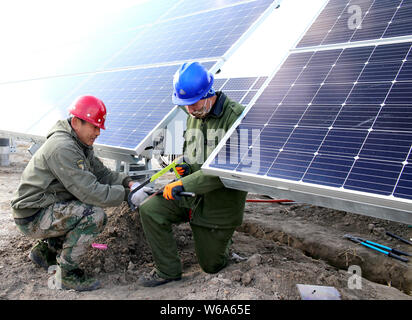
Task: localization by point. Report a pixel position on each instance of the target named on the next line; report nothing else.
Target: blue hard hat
(191, 83)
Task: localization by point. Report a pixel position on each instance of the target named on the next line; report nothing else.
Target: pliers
(393, 253)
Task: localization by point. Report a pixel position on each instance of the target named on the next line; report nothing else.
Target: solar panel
(154, 32)
(188, 7)
(131, 68)
(25, 103)
(197, 36)
(241, 89)
(357, 20)
(332, 126)
(352, 118)
(87, 52)
(136, 100)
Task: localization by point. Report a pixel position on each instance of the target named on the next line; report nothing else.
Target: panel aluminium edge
(353, 201)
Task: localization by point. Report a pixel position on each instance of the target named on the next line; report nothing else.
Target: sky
(26, 23)
(29, 26)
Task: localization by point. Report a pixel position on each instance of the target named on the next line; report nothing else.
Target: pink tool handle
(100, 246)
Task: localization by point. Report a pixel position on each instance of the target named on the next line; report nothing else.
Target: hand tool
(393, 253)
(100, 246)
(166, 169)
(182, 194)
(398, 237)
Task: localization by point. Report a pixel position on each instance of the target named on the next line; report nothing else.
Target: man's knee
(150, 212)
(213, 266)
(212, 247)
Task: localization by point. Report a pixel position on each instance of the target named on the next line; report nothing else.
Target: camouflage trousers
(76, 223)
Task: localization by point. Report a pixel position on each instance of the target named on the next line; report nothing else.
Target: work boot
(41, 255)
(55, 244)
(75, 280)
(153, 279)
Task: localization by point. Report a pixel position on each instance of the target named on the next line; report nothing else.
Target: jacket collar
(73, 133)
(217, 109)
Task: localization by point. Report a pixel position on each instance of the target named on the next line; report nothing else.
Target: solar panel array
(334, 118)
(201, 35)
(326, 116)
(137, 99)
(357, 20)
(131, 66)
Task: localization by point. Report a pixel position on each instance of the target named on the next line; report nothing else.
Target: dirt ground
(277, 247)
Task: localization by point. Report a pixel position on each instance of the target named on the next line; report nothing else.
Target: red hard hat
(90, 109)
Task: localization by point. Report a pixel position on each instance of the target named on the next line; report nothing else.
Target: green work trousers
(77, 222)
(211, 244)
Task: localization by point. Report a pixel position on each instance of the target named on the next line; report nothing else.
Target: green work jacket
(64, 169)
(215, 206)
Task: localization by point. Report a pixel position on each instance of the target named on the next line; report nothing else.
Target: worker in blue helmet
(216, 211)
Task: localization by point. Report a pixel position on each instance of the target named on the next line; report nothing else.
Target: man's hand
(140, 195)
(172, 190)
(183, 169)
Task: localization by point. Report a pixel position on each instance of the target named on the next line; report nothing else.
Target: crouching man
(62, 192)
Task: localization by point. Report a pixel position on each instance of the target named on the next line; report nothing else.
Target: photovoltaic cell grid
(153, 32)
(139, 96)
(86, 53)
(25, 103)
(203, 35)
(357, 20)
(83, 56)
(187, 7)
(137, 100)
(241, 89)
(338, 118)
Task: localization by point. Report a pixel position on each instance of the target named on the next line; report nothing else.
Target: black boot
(154, 280)
(55, 244)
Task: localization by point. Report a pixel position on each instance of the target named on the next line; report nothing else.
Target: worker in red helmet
(63, 191)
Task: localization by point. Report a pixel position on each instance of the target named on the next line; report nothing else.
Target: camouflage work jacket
(64, 169)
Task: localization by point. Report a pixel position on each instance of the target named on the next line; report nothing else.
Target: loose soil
(277, 247)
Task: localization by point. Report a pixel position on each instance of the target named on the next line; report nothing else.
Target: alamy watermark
(355, 20)
(242, 148)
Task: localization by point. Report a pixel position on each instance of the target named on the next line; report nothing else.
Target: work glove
(182, 169)
(140, 195)
(172, 190)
